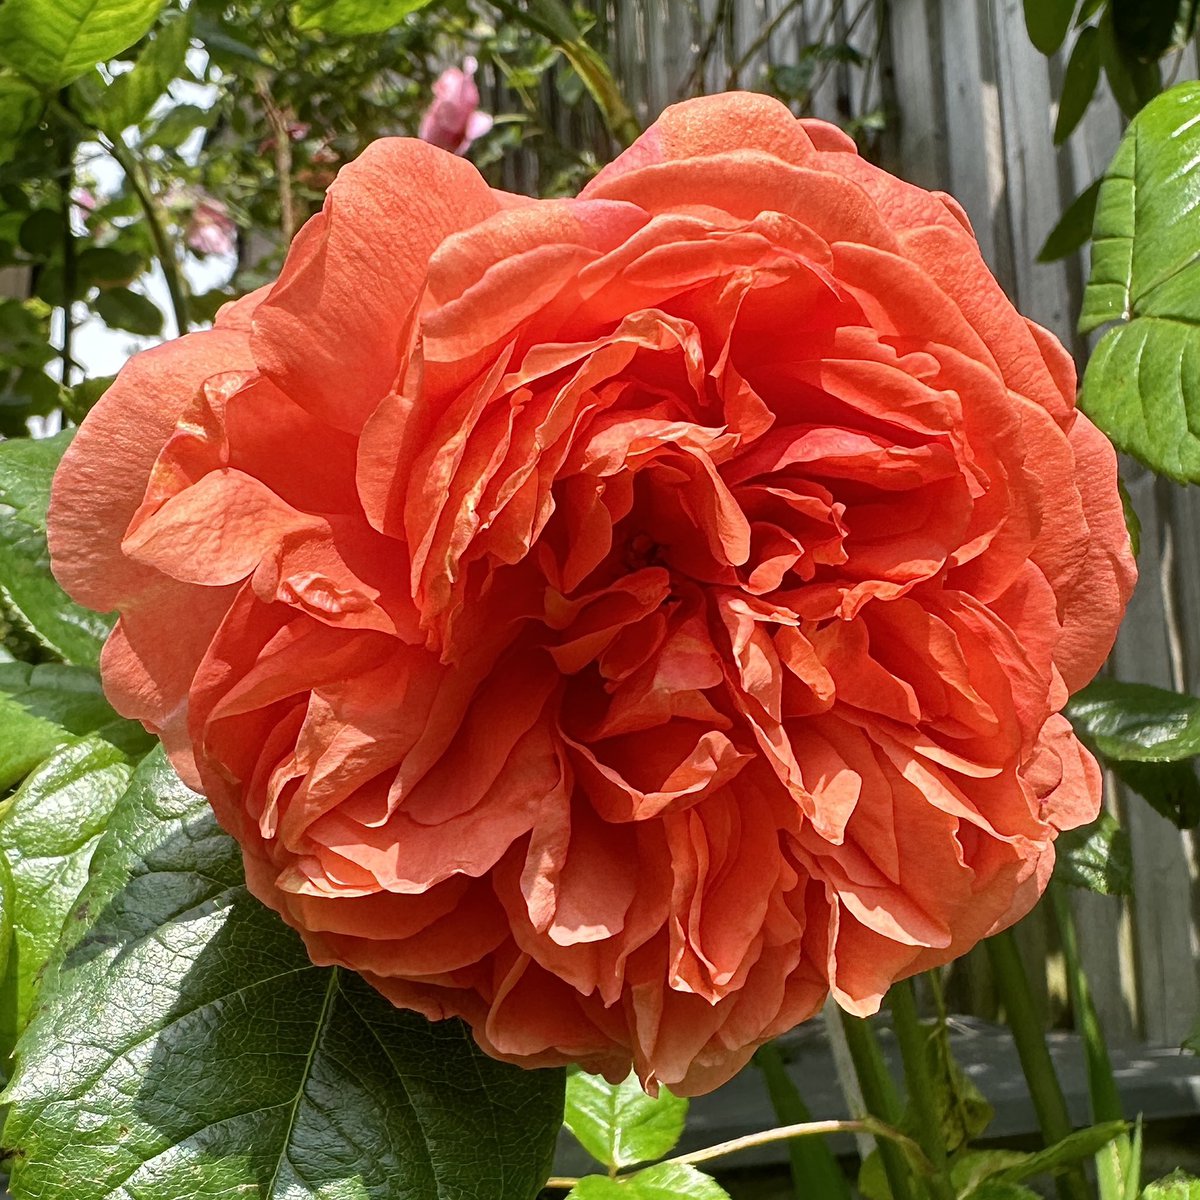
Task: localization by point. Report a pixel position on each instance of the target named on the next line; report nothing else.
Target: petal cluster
(618, 621)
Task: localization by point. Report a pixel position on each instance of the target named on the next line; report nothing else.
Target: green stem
(815, 1171)
(162, 244)
(881, 1099)
(1102, 1084)
(1030, 1039)
(69, 265)
(914, 1040)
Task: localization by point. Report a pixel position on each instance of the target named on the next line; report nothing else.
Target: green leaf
(105, 266)
(1172, 788)
(1097, 858)
(1142, 385)
(1134, 82)
(1136, 722)
(1048, 22)
(26, 585)
(131, 96)
(48, 833)
(348, 18)
(618, 1124)
(1074, 226)
(41, 233)
(1075, 1147)
(20, 105)
(184, 1045)
(1133, 523)
(991, 1190)
(57, 41)
(122, 308)
(178, 123)
(1177, 1186)
(1079, 83)
(43, 707)
(1145, 27)
(663, 1182)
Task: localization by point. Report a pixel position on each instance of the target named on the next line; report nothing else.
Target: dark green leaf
(1088, 9)
(56, 41)
(42, 707)
(83, 396)
(123, 308)
(664, 1182)
(1172, 788)
(130, 96)
(1074, 227)
(1079, 85)
(26, 585)
(1136, 722)
(104, 266)
(41, 232)
(1134, 82)
(48, 833)
(1048, 22)
(186, 1046)
(1177, 1186)
(350, 17)
(618, 1124)
(20, 104)
(1145, 27)
(1096, 858)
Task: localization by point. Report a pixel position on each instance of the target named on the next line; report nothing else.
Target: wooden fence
(966, 104)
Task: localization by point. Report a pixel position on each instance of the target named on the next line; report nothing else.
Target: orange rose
(617, 621)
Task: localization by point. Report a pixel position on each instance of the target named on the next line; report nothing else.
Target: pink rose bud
(211, 229)
(453, 121)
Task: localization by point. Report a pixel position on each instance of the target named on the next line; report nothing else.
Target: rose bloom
(620, 621)
(453, 121)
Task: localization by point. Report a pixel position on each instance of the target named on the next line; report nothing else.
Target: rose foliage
(617, 621)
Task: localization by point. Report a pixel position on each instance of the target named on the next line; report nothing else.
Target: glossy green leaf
(27, 588)
(131, 96)
(43, 707)
(618, 1124)
(1177, 1186)
(348, 18)
(57, 41)
(1142, 385)
(1097, 858)
(1136, 722)
(1079, 83)
(184, 1045)
(123, 308)
(48, 832)
(664, 1182)
(1048, 22)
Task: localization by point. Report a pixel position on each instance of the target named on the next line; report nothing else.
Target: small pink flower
(211, 229)
(453, 121)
